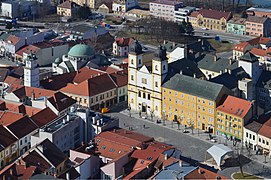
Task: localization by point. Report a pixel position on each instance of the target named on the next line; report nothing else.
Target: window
(132, 61)
(139, 61)
(253, 137)
(132, 77)
(156, 84)
(156, 68)
(260, 140)
(111, 150)
(164, 67)
(139, 94)
(144, 95)
(249, 136)
(144, 80)
(149, 97)
(263, 141)
(267, 143)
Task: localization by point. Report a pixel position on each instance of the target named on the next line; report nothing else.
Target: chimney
(173, 44)
(194, 75)
(33, 95)
(215, 58)
(165, 156)
(221, 72)
(181, 72)
(230, 60)
(164, 41)
(68, 175)
(180, 163)
(229, 71)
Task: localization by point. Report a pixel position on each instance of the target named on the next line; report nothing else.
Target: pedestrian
(144, 126)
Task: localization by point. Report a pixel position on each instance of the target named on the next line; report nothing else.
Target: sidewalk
(203, 136)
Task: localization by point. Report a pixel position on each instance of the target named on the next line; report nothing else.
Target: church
(79, 56)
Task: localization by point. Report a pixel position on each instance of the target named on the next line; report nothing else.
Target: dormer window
(156, 68)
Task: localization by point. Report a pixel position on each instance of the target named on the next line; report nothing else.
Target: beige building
(210, 19)
(67, 8)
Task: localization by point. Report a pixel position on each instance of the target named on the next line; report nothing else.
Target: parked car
(205, 34)
(204, 28)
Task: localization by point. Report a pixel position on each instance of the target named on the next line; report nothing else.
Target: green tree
(84, 12)
(9, 26)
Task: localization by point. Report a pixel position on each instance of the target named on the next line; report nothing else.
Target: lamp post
(129, 109)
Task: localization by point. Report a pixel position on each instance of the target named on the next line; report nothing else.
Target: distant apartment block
(258, 26)
(181, 14)
(237, 26)
(122, 6)
(164, 9)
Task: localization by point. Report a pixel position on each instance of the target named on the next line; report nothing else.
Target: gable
(144, 69)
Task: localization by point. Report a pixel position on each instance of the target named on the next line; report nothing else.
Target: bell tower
(31, 71)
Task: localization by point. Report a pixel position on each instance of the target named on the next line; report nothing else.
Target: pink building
(258, 26)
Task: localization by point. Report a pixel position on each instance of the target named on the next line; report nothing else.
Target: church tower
(159, 73)
(134, 63)
(31, 71)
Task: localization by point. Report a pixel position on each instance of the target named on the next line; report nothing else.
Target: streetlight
(129, 109)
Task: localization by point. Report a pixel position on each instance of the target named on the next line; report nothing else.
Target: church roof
(81, 50)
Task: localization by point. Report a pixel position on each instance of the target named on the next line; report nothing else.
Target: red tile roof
(12, 80)
(120, 78)
(214, 14)
(235, 106)
(265, 130)
(124, 41)
(29, 91)
(7, 117)
(44, 117)
(194, 14)
(68, 5)
(202, 173)
(125, 137)
(19, 108)
(241, 46)
(261, 52)
(86, 73)
(27, 49)
(91, 87)
(13, 39)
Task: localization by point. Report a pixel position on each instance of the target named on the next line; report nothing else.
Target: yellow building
(67, 8)
(192, 101)
(210, 19)
(8, 147)
(232, 115)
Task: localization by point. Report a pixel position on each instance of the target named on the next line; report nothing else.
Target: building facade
(122, 6)
(31, 71)
(182, 14)
(232, 116)
(164, 9)
(258, 26)
(210, 19)
(67, 8)
(237, 26)
(144, 83)
(192, 101)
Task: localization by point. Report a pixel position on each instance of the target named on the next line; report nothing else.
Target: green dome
(81, 50)
(58, 60)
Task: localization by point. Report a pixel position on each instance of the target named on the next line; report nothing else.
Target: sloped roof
(13, 39)
(61, 101)
(218, 152)
(91, 87)
(237, 20)
(202, 173)
(256, 19)
(28, 49)
(6, 138)
(35, 159)
(120, 78)
(249, 57)
(235, 106)
(28, 91)
(241, 46)
(68, 5)
(22, 127)
(86, 73)
(264, 80)
(124, 41)
(214, 14)
(193, 86)
(44, 117)
(254, 126)
(208, 63)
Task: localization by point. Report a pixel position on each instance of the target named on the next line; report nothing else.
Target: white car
(204, 28)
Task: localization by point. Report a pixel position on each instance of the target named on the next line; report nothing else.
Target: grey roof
(193, 86)
(256, 19)
(186, 67)
(230, 80)
(264, 80)
(259, 9)
(208, 63)
(249, 57)
(254, 126)
(43, 176)
(175, 171)
(218, 152)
